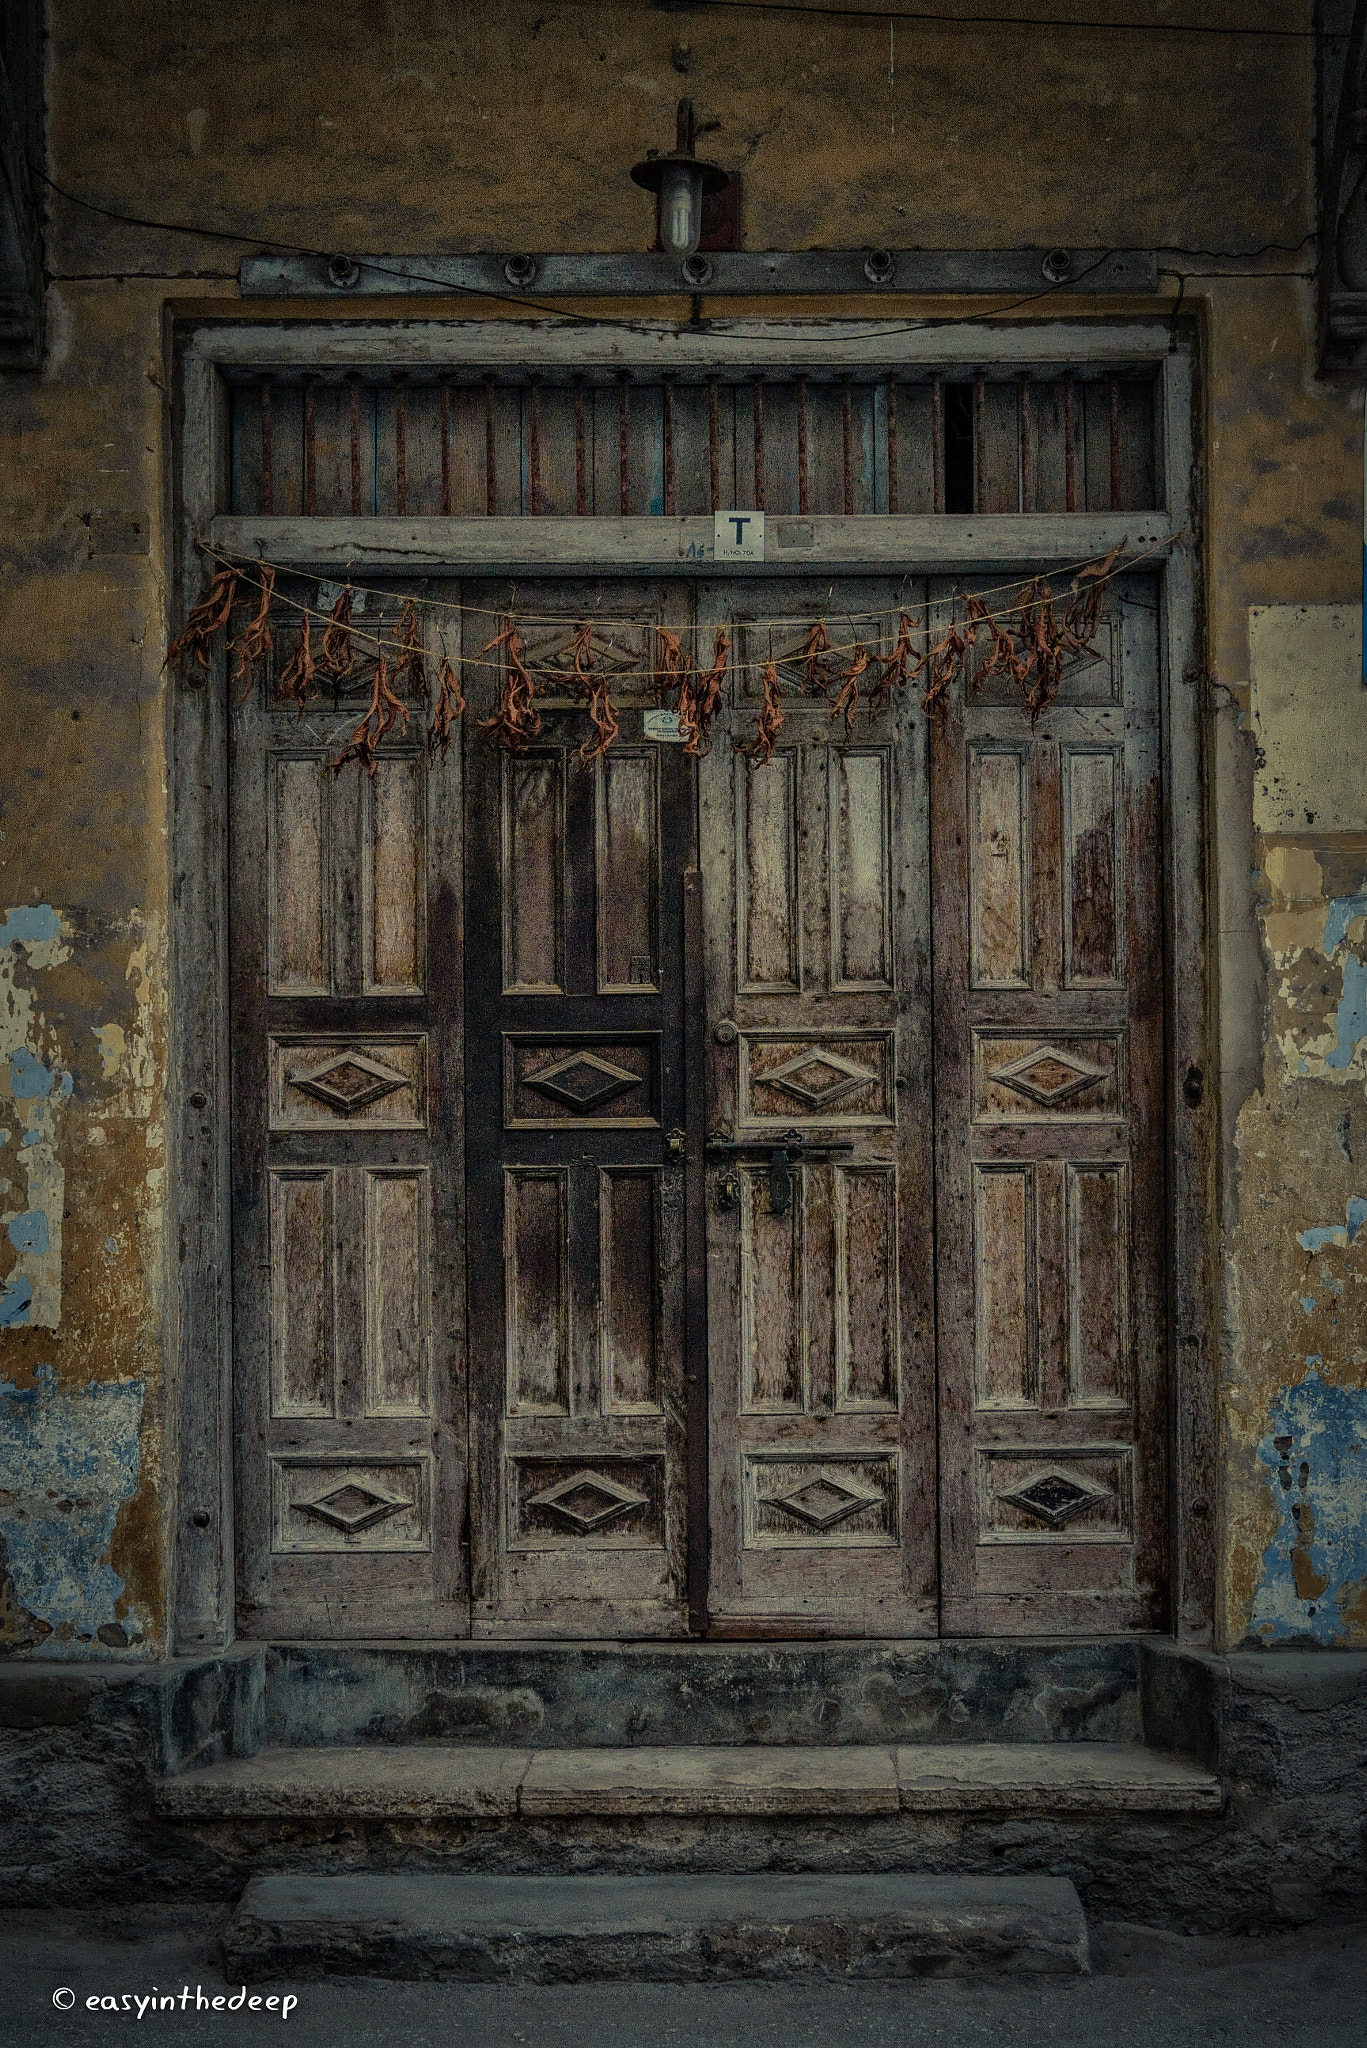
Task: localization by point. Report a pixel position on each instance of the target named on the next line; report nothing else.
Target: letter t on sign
(739, 537)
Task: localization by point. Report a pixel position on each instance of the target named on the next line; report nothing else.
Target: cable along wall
(608, 444)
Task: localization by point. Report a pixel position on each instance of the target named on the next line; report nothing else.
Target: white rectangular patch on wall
(738, 536)
(662, 725)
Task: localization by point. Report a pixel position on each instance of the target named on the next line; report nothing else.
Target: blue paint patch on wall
(28, 1233)
(70, 1461)
(28, 1077)
(1341, 913)
(14, 1303)
(1351, 1020)
(1320, 1547)
(31, 924)
(1342, 1234)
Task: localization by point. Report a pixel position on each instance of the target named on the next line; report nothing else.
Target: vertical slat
(490, 460)
(534, 443)
(400, 446)
(445, 449)
(267, 451)
(713, 451)
(890, 400)
(1028, 460)
(1114, 441)
(354, 423)
(581, 502)
(310, 450)
(1069, 446)
(937, 444)
(757, 406)
(846, 452)
(804, 495)
(670, 501)
(624, 443)
(979, 443)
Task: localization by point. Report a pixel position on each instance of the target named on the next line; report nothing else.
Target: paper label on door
(662, 725)
(738, 536)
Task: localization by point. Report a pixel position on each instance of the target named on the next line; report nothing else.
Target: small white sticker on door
(739, 537)
(662, 725)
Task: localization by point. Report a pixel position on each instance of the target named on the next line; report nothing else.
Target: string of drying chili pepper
(1082, 567)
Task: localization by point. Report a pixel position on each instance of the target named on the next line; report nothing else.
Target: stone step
(540, 1930)
(427, 1782)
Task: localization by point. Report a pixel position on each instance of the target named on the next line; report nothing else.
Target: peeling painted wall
(461, 126)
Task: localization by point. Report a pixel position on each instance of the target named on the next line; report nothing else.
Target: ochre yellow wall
(446, 126)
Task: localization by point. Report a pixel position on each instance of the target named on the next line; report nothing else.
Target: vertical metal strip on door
(347, 1125)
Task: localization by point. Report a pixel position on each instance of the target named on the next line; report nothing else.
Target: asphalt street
(1303, 1989)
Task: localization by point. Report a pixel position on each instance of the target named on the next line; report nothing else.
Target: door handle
(789, 1150)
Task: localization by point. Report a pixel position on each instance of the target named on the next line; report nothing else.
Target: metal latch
(790, 1150)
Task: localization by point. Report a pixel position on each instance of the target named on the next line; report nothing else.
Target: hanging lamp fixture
(681, 181)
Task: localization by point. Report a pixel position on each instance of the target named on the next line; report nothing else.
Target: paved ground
(1306, 1989)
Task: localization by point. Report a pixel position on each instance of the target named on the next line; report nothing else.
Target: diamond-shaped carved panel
(320, 1083)
(1054, 1496)
(602, 1083)
(796, 1503)
(582, 1082)
(841, 1078)
(349, 1082)
(818, 1078)
(342, 1507)
(560, 1504)
(588, 1500)
(1049, 1074)
(353, 1506)
(826, 1499)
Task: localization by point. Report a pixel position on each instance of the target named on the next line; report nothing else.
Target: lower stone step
(559, 1930)
(428, 1782)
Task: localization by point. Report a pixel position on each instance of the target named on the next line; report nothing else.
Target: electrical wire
(647, 327)
(1125, 27)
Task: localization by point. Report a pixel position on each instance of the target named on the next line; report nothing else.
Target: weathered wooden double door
(702, 1194)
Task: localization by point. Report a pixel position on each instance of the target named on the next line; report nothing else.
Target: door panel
(347, 1132)
(1049, 1048)
(575, 1065)
(822, 1451)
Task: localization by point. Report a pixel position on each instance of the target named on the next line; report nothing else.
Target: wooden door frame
(198, 1277)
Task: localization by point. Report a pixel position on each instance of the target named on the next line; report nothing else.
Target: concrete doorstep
(565, 1930)
(427, 1781)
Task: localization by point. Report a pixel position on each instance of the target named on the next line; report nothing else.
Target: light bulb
(680, 208)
